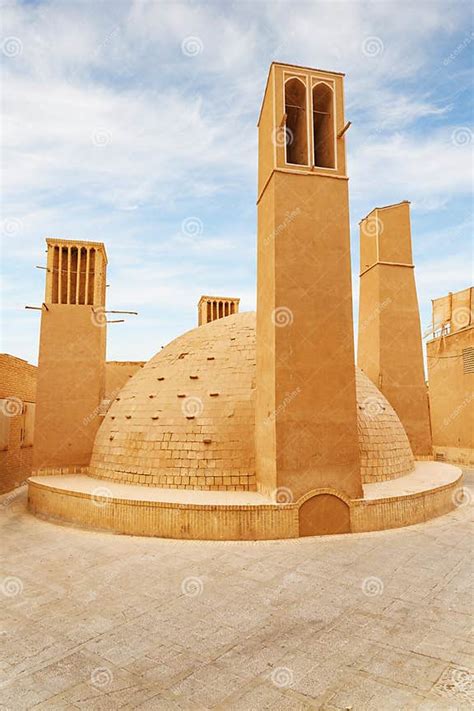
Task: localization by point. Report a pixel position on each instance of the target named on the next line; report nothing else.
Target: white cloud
(108, 126)
(418, 168)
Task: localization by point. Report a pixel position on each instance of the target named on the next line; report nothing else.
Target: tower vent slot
(468, 360)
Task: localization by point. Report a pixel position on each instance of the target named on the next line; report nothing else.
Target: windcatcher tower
(71, 367)
(306, 424)
(211, 308)
(390, 347)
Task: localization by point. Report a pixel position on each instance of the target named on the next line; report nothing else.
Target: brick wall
(451, 381)
(17, 400)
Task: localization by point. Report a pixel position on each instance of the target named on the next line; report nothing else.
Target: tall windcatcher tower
(306, 424)
(390, 348)
(71, 366)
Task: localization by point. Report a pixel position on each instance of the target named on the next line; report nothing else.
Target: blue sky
(123, 120)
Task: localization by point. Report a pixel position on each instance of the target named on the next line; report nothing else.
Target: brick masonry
(17, 383)
(404, 503)
(385, 451)
(187, 419)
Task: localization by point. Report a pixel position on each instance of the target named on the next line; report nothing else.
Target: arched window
(91, 284)
(323, 126)
(296, 124)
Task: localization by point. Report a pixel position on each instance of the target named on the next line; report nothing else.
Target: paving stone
(112, 606)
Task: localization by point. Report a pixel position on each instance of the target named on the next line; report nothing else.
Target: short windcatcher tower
(210, 308)
(71, 367)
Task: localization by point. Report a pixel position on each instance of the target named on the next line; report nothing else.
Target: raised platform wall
(455, 455)
(98, 508)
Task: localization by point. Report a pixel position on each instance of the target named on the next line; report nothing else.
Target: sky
(134, 123)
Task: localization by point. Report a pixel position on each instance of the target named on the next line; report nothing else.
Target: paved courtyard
(370, 621)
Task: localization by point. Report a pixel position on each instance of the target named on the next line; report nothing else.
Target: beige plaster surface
(451, 390)
(304, 291)
(390, 350)
(135, 492)
(427, 475)
(369, 621)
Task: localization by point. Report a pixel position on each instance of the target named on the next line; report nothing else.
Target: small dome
(187, 419)
(385, 451)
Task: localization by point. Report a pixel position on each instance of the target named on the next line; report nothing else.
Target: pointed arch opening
(296, 139)
(323, 126)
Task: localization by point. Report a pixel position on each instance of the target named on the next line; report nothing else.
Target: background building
(17, 416)
(451, 377)
(17, 412)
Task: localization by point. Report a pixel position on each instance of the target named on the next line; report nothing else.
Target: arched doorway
(324, 514)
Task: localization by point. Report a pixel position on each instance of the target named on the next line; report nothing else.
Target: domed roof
(385, 451)
(187, 419)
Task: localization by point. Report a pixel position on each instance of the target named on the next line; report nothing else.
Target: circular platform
(431, 490)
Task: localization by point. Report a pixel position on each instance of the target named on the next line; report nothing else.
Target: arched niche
(323, 126)
(296, 138)
(324, 514)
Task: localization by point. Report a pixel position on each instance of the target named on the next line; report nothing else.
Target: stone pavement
(369, 621)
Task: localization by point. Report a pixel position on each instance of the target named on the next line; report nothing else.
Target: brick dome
(385, 451)
(187, 419)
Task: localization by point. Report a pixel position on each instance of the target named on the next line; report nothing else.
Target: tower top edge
(57, 241)
(296, 67)
(385, 207)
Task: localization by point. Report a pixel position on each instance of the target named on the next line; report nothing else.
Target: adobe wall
(71, 385)
(451, 391)
(17, 382)
(118, 373)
